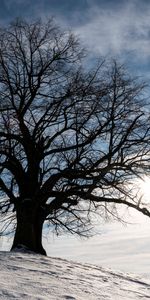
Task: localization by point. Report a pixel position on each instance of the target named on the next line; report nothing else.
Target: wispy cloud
(107, 27)
(111, 31)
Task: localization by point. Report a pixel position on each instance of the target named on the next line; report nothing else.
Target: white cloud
(116, 32)
(120, 247)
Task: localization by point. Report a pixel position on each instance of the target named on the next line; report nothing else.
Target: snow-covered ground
(124, 248)
(30, 276)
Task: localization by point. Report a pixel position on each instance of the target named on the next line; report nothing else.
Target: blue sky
(119, 29)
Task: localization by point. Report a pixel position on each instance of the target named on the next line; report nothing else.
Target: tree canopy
(72, 139)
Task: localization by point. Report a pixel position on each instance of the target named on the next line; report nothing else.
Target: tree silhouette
(72, 141)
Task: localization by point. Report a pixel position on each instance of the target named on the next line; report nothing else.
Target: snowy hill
(29, 276)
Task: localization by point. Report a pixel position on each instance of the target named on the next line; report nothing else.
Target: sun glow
(145, 188)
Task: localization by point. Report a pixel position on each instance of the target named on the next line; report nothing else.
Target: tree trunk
(29, 231)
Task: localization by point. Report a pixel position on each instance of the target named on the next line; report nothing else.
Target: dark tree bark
(28, 233)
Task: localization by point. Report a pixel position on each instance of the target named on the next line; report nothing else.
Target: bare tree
(72, 141)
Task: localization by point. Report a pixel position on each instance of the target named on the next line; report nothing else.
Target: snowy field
(29, 276)
(91, 276)
(123, 248)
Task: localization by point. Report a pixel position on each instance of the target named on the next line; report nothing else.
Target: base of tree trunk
(28, 234)
(24, 249)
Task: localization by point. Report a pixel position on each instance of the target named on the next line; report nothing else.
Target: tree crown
(71, 141)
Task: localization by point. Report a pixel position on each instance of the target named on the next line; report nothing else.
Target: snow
(125, 248)
(31, 276)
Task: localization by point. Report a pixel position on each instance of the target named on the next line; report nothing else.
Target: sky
(116, 29)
